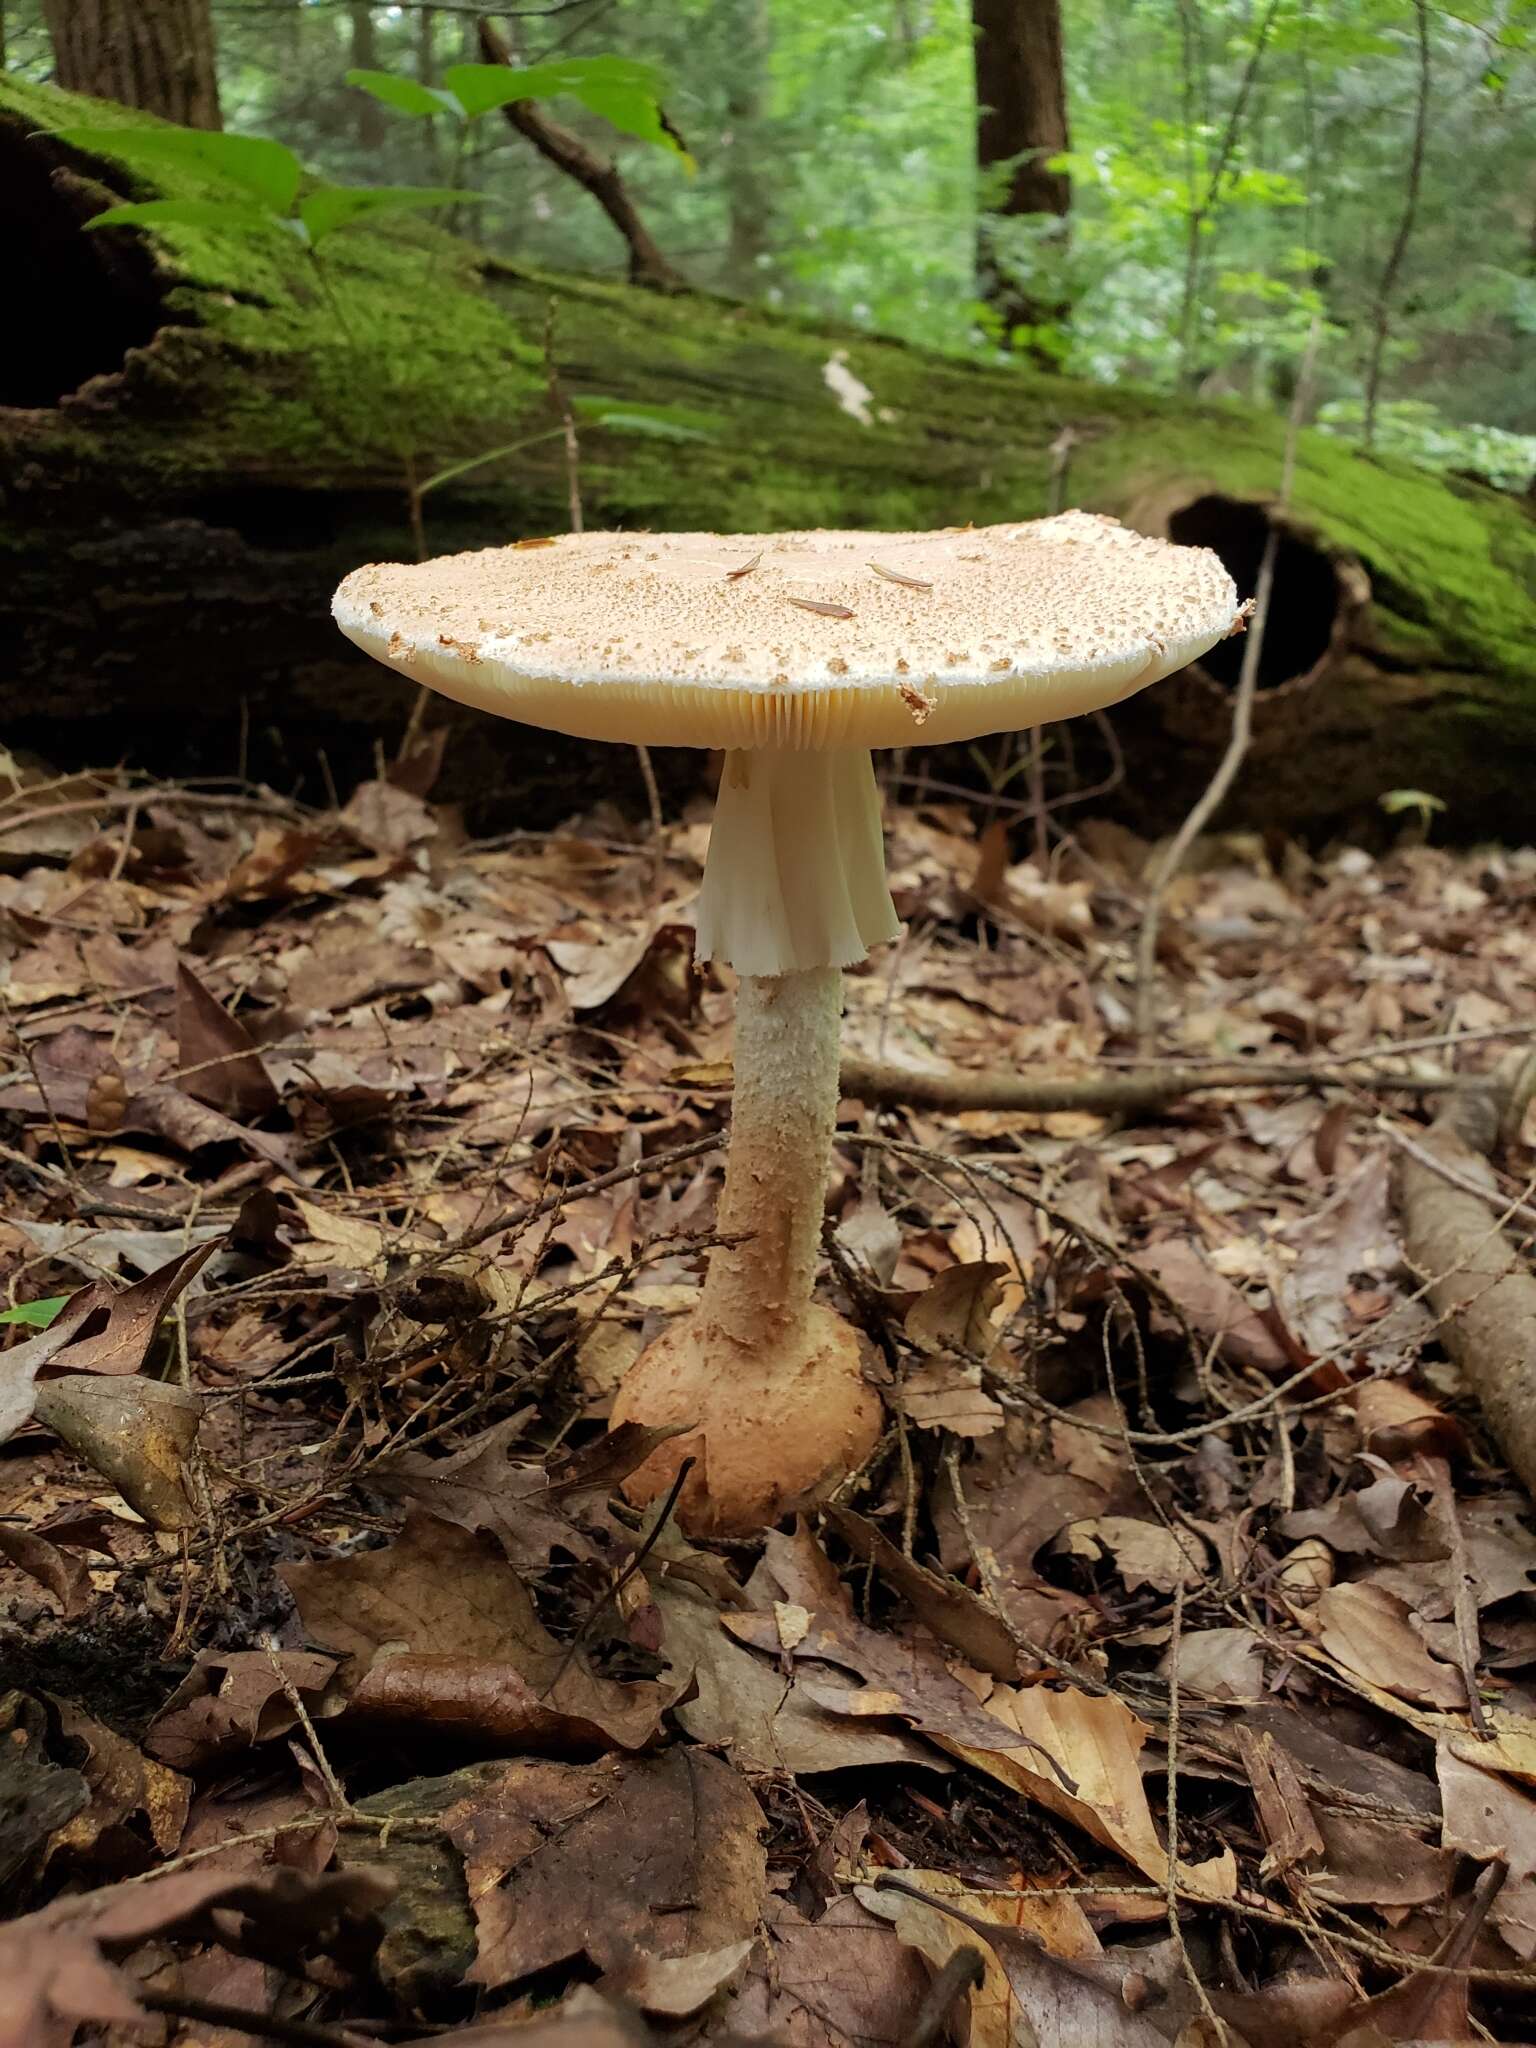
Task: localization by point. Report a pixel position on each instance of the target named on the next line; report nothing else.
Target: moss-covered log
(199, 433)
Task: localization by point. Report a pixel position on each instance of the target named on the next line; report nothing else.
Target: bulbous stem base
(774, 1433)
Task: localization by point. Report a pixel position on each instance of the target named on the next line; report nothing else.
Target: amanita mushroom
(796, 653)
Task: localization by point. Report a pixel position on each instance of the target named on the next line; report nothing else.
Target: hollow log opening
(85, 300)
(1308, 597)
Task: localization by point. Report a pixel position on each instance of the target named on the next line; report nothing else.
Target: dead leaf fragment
(646, 1859)
(217, 1060)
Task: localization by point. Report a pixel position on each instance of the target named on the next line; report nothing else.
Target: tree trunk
(193, 462)
(1021, 123)
(372, 119)
(154, 54)
(748, 188)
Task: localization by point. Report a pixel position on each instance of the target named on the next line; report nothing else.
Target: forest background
(1164, 191)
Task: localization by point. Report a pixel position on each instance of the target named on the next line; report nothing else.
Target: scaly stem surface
(783, 1108)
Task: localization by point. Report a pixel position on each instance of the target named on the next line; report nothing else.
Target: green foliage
(263, 179)
(35, 1315)
(620, 90)
(1413, 428)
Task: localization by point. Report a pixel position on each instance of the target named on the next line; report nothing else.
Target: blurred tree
(154, 54)
(1021, 125)
(371, 120)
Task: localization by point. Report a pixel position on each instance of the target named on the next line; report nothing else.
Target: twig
(965, 1971)
(589, 1620)
(1381, 312)
(567, 152)
(295, 1699)
(1152, 1088)
(1463, 1590)
(1172, 858)
(1449, 1173)
(266, 2026)
(1171, 1781)
(1201, 210)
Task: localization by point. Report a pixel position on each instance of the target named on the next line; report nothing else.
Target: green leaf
(624, 92)
(37, 1315)
(333, 206)
(266, 170)
(1395, 800)
(659, 422)
(234, 216)
(473, 462)
(404, 94)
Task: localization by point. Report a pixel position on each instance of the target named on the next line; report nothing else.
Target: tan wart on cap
(797, 653)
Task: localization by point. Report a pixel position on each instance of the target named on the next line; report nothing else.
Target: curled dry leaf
(137, 1433)
(231, 1699)
(1097, 1740)
(66, 1575)
(741, 1702)
(531, 1506)
(1029, 1994)
(99, 1330)
(1145, 1553)
(956, 1310)
(846, 1980)
(126, 1787)
(1493, 1821)
(217, 1060)
(1213, 1307)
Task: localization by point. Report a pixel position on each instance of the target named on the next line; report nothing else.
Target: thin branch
(1203, 210)
(562, 147)
(1221, 782)
(1381, 312)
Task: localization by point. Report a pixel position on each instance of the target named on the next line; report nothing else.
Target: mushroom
(796, 653)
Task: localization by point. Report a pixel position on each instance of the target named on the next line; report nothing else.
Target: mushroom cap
(827, 639)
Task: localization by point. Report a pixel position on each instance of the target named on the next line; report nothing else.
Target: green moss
(383, 350)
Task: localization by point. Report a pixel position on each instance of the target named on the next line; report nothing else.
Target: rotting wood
(1479, 1284)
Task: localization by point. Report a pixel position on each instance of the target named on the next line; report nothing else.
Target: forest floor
(347, 1166)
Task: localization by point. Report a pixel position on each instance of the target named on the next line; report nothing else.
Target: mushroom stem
(783, 1107)
(795, 876)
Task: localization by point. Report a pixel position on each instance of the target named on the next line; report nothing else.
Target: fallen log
(1478, 1282)
(194, 447)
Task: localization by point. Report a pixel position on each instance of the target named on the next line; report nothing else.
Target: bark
(1479, 1283)
(565, 149)
(157, 55)
(1021, 123)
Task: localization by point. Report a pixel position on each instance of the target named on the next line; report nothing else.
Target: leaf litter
(1168, 1676)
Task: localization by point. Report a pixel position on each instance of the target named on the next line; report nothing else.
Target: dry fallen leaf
(446, 1599)
(1366, 1630)
(563, 1861)
(1097, 1741)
